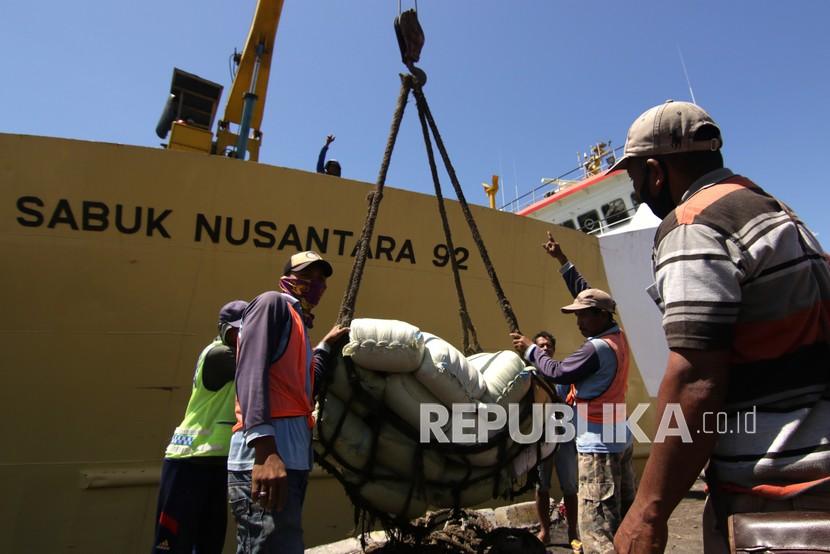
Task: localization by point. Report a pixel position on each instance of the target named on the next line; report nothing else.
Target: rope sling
(410, 41)
(414, 82)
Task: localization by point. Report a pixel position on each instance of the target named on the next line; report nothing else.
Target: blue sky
(517, 87)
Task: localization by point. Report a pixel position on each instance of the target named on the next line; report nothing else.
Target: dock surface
(685, 536)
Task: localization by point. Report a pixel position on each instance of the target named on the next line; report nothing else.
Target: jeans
(267, 532)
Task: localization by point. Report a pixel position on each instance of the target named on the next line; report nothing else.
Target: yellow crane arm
(251, 78)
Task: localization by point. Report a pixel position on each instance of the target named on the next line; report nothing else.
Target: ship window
(589, 221)
(634, 200)
(614, 211)
(569, 223)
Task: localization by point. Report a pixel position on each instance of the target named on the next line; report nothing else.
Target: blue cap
(231, 313)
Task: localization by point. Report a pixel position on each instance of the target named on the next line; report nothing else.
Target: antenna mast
(686, 73)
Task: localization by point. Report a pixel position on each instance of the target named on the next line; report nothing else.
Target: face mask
(662, 204)
(306, 291)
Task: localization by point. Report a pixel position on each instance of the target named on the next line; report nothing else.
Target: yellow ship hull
(116, 260)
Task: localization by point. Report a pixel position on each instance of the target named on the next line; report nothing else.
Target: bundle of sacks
(390, 381)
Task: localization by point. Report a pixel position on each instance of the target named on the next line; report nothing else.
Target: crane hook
(410, 41)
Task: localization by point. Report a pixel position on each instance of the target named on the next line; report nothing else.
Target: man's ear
(656, 177)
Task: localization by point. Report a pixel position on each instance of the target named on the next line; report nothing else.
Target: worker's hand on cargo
(640, 535)
(555, 249)
(520, 342)
(329, 139)
(269, 479)
(337, 332)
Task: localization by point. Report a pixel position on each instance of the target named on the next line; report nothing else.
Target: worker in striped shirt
(744, 288)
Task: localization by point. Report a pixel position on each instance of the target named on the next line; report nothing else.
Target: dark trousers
(192, 508)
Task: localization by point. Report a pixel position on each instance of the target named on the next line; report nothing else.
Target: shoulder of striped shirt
(726, 207)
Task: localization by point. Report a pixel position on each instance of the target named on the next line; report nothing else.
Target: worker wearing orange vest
(270, 454)
(598, 376)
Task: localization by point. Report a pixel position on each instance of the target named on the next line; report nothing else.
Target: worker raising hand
(555, 249)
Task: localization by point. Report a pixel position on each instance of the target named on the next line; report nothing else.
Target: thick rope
(350, 296)
(467, 326)
(504, 303)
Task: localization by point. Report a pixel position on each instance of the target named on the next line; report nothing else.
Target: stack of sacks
(377, 447)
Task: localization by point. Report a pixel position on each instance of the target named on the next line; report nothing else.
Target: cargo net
(371, 433)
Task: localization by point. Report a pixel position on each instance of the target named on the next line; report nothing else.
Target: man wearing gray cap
(192, 503)
(744, 288)
(598, 377)
(277, 371)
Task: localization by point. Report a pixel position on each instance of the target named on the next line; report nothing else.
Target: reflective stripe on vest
(288, 391)
(615, 393)
(206, 427)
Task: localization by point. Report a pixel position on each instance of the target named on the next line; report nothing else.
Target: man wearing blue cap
(192, 512)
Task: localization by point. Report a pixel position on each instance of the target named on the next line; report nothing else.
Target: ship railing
(604, 225)
(550, 186)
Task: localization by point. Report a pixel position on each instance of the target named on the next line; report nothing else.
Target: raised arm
(321, 159)
(574, 280)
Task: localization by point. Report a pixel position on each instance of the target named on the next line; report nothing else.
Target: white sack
(504, 376)
(445, 372)
(373, 382)
(404, 395)
(395, 453)
(385, 345)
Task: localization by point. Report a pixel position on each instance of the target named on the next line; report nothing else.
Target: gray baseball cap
(668, 129)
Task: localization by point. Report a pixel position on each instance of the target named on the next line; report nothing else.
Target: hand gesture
(554, 249)
(520, 342)
(329, 139)
(335, 334)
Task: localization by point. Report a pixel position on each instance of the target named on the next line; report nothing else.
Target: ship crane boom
(246, 101)
(192, 103)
